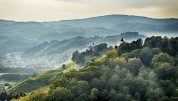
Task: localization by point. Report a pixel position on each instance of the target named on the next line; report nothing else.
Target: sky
(54, 10)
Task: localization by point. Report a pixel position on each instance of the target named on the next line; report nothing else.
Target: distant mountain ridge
(93, 17)
(101, 25)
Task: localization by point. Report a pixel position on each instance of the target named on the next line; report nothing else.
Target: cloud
(69, 9)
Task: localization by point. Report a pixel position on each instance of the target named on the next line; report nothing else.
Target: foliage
(132, 72)
(165, 44)
(91, 53)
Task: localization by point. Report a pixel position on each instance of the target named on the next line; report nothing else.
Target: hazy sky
(47, 10)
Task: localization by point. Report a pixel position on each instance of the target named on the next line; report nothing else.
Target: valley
(103, 58)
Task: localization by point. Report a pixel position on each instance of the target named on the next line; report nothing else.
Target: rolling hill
(48, 55)
(124, 73)
(101, 25)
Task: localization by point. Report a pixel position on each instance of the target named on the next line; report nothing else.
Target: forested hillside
(136, 71)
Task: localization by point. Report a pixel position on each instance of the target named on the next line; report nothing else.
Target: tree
(168, 87)
(3, 96)
(123, 97)
(112, 95)
(162, 58)
(138, 88)
(94, 94)
(146, 56)
(99, 83)
(153, 42)
(124, 47)
(136, 44)
(154, 94)
(165, 71)
(76, 87)
(64, 67)
(60, 94)
(134, 65)
(75, 55)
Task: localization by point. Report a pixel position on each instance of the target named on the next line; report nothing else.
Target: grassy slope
(40, 81)
(35, 92)
(44, 90)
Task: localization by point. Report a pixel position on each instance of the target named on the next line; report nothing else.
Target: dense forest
(91, 53)
(136, 71)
